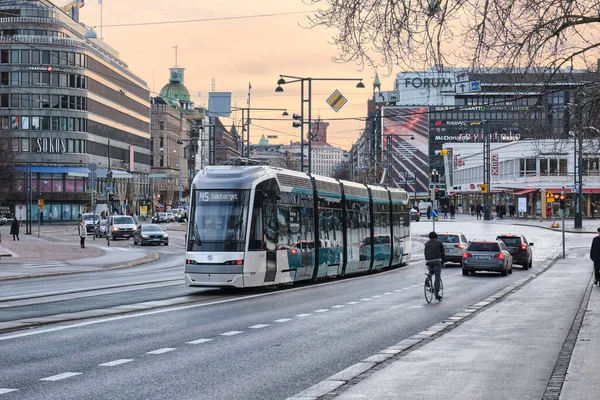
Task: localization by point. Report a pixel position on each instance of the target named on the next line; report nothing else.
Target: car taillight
(459, 246)
(523, 247)
(467, 255)
(499, 256)
(239, 262)
(418, 214)
(294, 251)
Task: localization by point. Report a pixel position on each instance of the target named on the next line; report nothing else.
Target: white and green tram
(253, 226)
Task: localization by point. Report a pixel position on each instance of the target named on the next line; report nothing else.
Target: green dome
(172, 91)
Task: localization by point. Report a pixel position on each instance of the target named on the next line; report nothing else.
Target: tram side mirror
(530, 244)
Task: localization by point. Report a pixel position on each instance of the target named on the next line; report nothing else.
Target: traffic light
(158, 197)
(484, 188)
(437, 194)
(442, 193)
(562, 202)
(297, 120)
(111, 197)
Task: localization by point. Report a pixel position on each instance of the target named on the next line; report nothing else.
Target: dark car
(150, 234)
(487, 256)
(415, 215)
(159, 217)
(519, 249)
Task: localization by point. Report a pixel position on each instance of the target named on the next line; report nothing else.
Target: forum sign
(426, 88)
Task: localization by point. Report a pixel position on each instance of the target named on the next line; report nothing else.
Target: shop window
(57, 185)
(70, 185)
(45, 185)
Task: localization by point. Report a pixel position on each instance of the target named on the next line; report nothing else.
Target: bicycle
(429, 289)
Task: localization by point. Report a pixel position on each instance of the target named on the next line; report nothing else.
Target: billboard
(407, 128)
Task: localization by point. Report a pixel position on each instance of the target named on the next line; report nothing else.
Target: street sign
(336, 100)
(475, 86)
(434, 213)
(92, 167)
(41, 203)
(549, 196)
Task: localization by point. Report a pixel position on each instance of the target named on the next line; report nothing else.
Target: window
(71, 59)
(24, 56)
(25, 145)
(45, 101)
(4, 78)
(14, 100)
(45, 123)
(25, 101)
(45, 78)
(14, 56)
(14, 144)
(35, 78)
(4, 100)
(63, 125)
(4, 54)
(72, 125)
(64, 102)
(54, 59)
(55, 101)
(14, 123)
(35, 56)
(55, 79)
(64, 80)
(563, 166)
(4, 123)
(55, 123)
(14, 78)
(63, 58)
(46, 57)
(544, 167)
(161, 125)
(25, 81)
(35, 123)
(71, 102)
(25, 123)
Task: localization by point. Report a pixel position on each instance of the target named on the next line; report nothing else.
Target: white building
(326, 159)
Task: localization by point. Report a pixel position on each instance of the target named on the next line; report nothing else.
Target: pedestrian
(14, 229)
(548, 211)
(50, 218)
(472, 210)
(478, 208)
(42, 217)
(428, 212)
(595, 256)
(445, 212)
(452, 211)
(82, 233)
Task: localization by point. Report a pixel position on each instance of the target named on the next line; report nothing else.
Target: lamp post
(308, 101)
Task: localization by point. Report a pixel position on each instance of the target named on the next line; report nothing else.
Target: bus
(258, 225)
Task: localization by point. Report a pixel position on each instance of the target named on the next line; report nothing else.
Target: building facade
(66, 101)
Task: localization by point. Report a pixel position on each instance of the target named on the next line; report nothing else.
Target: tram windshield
(218, 220)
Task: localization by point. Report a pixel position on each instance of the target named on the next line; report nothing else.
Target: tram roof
(231, 176)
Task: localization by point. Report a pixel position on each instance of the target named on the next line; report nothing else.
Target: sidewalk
(34, 257)
(507, 350)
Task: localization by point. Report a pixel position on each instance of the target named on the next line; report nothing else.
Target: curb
(150, 257)
(554, 229)
(333, 386)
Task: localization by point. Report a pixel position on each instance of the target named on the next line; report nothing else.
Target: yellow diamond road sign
(549, 196)
(336, 100)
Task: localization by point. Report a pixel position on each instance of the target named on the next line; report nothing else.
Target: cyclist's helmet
(432, 235)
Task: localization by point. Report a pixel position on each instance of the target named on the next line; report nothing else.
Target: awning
(81, 172)
(525, 191)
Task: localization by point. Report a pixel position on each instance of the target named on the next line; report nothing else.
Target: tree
(508, 34)
(8, 160)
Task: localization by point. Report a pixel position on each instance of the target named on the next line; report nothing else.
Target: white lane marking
(161, 351)
(352, 302)
(322, 310)
(60, 376)
(283, 320)
(186, 307)
(198, 341)
(303, 315)
(259, 326)
(116, 362)
(6, 390)
(386, 293)
(231, 333)
(366, 299)
(338, 306)
(377, 296)
(398, 290)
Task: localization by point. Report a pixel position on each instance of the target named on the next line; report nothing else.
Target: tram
(252, 226)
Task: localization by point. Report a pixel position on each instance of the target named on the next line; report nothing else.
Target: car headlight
(166, 235)
(115, 228)
(145, 236)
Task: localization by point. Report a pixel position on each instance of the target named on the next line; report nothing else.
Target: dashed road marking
(198, 341)
(388, 293)
(231, 333)
(161, 351)
(338, 306)
(352, 302)
(303, 315)
(377, 296)
(58, 377)
(259, 326)
(116, 362)
(283, 320)
(6, 390)
(366, 299)
(322, 310)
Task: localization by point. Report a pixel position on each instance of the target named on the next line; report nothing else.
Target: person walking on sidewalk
(595, 256)
(14, 229)
(479, 210)
(82, 233)
(435, 256)
(452, 211)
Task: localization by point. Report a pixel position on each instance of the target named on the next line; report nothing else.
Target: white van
(121, 226)
(423, 207)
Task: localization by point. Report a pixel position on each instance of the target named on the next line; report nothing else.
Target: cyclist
(435, 257)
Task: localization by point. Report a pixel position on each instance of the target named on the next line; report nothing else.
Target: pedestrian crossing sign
(336, 100)
(549, 196)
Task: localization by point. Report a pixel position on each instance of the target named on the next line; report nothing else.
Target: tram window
(256, 241)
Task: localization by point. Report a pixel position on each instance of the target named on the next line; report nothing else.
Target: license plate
(482, 257)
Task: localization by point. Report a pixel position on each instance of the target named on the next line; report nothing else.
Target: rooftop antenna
(101, 37)
(175, 47)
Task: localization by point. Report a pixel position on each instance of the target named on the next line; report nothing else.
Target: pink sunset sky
(234, 53)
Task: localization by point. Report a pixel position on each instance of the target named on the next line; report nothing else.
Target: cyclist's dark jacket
(434, 250)
(595, 250)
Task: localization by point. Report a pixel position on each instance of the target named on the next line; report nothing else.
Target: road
(267, 344)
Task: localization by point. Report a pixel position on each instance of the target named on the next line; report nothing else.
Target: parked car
(91, 220)
(487, 256)
(519, 249)
(415, 215)
(159, 218)
(182, 215)
(170, 216)
(3, 220)
(100, 230)
(150, 234)
(121, 226)
(454, 245)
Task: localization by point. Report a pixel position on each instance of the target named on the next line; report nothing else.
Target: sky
(236, 52)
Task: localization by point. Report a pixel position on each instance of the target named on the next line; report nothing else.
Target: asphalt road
(267, 344)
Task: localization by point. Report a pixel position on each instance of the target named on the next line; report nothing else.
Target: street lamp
(279, 89)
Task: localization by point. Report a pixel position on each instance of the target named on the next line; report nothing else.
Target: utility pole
(389, 159)
(486, 170)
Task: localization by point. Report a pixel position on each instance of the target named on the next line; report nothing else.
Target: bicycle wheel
(428, 289)
(441, 291)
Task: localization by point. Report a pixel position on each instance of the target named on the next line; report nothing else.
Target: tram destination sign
(208, 195)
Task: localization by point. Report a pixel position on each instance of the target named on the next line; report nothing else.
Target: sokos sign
(50, 145)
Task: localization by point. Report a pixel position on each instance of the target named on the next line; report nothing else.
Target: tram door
(270, 233)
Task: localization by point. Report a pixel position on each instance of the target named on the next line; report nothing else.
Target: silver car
(454, 245)
(487, 256)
